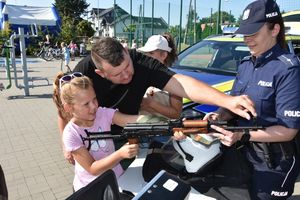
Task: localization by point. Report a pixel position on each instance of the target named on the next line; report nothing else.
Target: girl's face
(84, 107)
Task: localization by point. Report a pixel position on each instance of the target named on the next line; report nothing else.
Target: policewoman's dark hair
(281, 35)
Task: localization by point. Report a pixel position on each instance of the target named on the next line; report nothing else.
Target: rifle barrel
(235, 128)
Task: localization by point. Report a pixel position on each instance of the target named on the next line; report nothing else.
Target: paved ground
(30, 150)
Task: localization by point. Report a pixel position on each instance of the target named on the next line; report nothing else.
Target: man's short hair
(110, 50)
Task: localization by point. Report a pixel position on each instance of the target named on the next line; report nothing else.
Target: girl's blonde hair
(67, 92)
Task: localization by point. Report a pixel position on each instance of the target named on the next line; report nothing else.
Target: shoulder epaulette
(289, 60)
(246, 58)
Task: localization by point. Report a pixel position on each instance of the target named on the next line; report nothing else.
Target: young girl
(76, 101)
(66, 52)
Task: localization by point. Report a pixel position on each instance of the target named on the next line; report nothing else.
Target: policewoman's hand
(227, 138)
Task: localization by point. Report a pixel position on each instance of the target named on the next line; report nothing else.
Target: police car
(214, 61)
(292, 22)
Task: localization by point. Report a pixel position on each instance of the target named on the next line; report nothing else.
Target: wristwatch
(246, 136)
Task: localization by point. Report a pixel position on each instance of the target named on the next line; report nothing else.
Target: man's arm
(200, 92)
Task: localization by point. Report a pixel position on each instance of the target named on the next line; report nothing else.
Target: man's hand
(242, 106)
(68, 156)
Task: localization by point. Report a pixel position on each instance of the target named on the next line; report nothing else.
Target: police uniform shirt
(127, 97)
(272, 81)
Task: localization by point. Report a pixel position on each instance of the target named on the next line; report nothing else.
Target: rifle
(135, 131)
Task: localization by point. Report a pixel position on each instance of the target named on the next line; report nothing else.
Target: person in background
(134, 45)
(124, 43)
(121, 77)
(155, 101)
(82, 48)
(75, 99)
(73, 50)
(271, 78)
(66, 53)
(47, 43)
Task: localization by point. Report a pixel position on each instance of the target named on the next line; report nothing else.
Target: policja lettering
(279, 194)
(264, 83)
(292, 113)
(273, 14)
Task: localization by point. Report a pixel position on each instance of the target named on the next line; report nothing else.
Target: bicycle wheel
(48, 56)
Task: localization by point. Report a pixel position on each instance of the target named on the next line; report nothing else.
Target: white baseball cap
(156, 42)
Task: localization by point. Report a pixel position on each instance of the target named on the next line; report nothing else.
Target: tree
(68, 30)
(71, 9)
(84, 28)
(189, 29)
(225, 17)
(206, 32)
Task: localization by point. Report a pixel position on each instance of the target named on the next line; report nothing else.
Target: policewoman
(271, 78)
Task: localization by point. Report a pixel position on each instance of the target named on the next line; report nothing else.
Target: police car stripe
(223, 87)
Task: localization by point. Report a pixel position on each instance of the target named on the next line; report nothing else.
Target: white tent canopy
(26, 15)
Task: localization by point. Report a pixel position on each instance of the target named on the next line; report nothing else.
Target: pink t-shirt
(99, 149)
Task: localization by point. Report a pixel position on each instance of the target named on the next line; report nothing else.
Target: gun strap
(268, 154)
(188, 156)
(89, 140)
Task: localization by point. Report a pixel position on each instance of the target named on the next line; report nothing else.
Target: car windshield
(213, 55)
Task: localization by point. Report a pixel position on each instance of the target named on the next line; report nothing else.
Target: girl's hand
(68, 156)
(227, 138)
(178, 135)
(129, 150)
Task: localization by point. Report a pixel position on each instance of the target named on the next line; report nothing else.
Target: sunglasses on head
(68, 78)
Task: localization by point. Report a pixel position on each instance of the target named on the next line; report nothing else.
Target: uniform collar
(265, 57)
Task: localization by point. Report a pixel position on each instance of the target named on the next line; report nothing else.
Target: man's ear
(100, 73)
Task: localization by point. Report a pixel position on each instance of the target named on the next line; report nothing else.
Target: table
(132, 180)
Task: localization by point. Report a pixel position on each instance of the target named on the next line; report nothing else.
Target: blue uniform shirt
(272, 81)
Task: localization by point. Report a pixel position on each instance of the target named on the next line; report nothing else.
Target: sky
(203, 7)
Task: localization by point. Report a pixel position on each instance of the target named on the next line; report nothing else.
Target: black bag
(3, 187)
(227, 178)
(104, 187)
(157, 160)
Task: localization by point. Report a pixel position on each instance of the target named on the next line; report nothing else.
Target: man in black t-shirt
(127, 97)
(121, 77)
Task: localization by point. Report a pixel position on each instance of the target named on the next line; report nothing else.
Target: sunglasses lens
(77, 74)
(66, 78)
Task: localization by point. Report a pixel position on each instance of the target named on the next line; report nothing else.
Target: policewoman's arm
(287, 112)
(270, 134)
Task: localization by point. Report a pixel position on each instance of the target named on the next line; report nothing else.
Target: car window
(296, 46)
(200, 57)
(214, 55)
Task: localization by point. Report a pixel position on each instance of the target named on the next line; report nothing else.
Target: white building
(105, 20)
